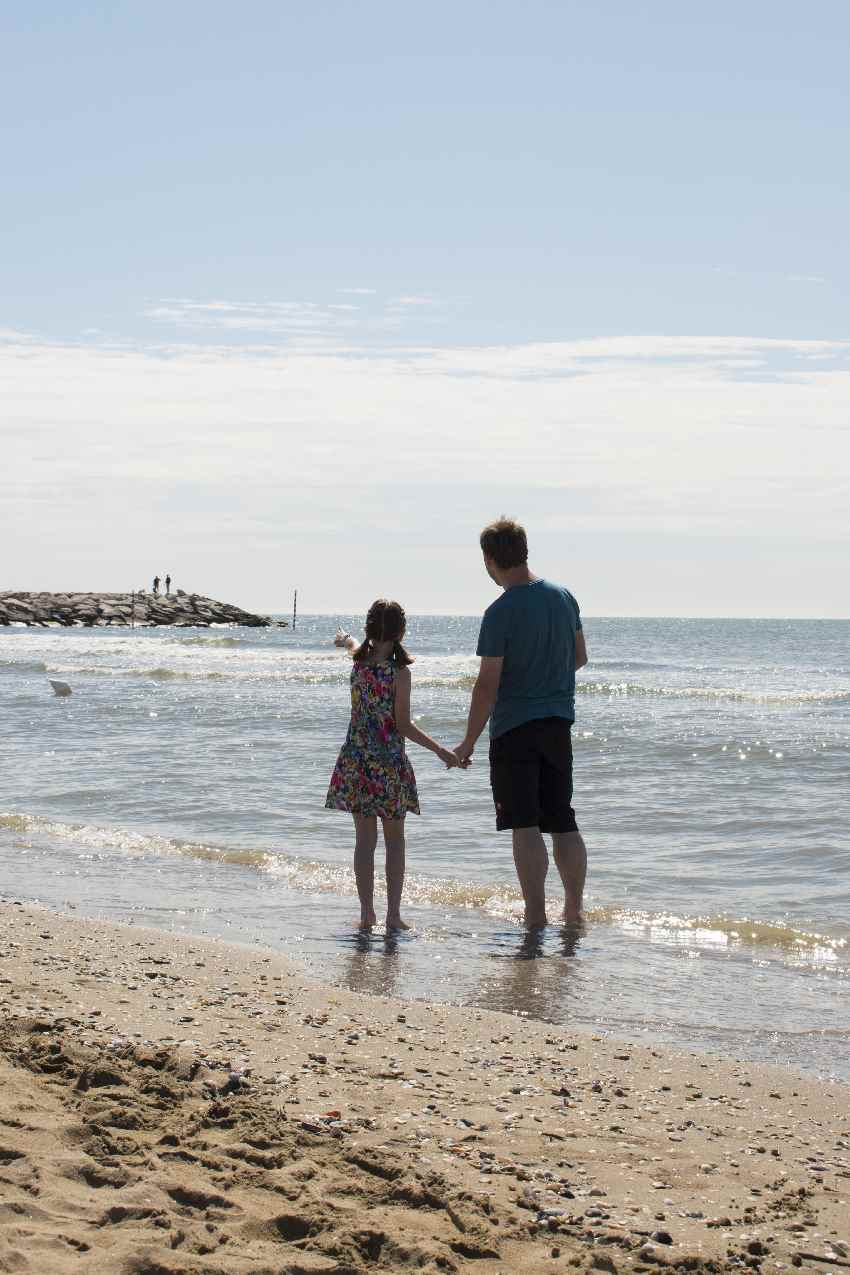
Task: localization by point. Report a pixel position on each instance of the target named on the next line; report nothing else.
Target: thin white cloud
(739, 273)
(359, 292)
(306, 322)
(249, 316)
(634, 358)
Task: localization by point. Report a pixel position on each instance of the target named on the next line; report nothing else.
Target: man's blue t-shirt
(533, 627)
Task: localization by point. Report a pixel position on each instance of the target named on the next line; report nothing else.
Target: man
(531, 643)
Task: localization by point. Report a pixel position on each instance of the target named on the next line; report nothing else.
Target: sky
(301, 296)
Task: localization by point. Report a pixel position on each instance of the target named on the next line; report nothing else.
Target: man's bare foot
(396, 923)
(368, 919)
(573, 915)
(535, 922)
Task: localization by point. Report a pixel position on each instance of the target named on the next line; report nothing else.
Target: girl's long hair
(385, 622)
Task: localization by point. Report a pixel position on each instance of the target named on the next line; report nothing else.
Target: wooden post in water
(133, 609)
(294, 608)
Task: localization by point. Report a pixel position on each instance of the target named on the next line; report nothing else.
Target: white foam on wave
(314, 669)
(620, 690)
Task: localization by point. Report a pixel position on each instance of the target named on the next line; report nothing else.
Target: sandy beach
(172, 1105)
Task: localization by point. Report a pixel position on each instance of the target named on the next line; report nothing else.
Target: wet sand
(173, 1105)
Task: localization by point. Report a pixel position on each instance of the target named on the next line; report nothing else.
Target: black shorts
(531, 774)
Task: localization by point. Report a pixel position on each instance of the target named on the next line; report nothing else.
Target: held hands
(463, 752)
(450, 759)
(455, 757)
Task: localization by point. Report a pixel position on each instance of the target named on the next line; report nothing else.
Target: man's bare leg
(365, 840)
(532, 864)
(394, 844)
(570, 856)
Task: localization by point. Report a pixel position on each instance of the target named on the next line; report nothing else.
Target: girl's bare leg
(394, 844)
(365, 840)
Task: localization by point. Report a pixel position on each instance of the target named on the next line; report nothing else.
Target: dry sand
(172, 1105)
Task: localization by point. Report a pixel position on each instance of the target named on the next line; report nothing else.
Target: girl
(373, 778)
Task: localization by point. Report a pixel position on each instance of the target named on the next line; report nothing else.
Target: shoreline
(618, 979)
(298, 1126)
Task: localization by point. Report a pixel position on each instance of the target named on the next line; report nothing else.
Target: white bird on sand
(59, 688)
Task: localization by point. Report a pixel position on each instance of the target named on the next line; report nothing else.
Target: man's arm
(581, 650)
(483, 698)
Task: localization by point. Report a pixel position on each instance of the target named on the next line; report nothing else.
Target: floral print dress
(372, 775)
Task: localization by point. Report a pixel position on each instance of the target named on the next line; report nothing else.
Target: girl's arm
(345, 640)
(405, 726)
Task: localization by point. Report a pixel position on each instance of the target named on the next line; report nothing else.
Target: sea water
(182, 785)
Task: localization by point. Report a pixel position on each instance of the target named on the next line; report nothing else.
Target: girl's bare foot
(396, 923)
(368, 919)
(573, 915)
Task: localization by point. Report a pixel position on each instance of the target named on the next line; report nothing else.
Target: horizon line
(586, 615)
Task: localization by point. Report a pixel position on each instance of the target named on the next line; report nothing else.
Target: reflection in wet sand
(372, 965)
(533, 975)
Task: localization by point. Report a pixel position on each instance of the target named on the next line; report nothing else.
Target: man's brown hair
(504, 541)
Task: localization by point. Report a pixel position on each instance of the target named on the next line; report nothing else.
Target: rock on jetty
(185, 610)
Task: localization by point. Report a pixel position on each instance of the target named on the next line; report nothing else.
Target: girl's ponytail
(400, 655)
(363, 651)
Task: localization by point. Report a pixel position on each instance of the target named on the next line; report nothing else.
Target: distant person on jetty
(167, 585)
(372, 778)
(156, 584)
(530, 644)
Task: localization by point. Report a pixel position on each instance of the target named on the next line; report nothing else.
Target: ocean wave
(721, 930)
(164, 674)
(458, 682)
(227, 643)
(127, 840)
(630, 664)
(501, 900)
(22, 666)
(624, 690)
(159, 674)
(243, 673)
(264, 667)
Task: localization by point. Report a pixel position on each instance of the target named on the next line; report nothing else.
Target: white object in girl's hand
(341, 637)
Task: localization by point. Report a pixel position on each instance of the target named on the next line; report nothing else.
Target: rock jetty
(184, 610)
